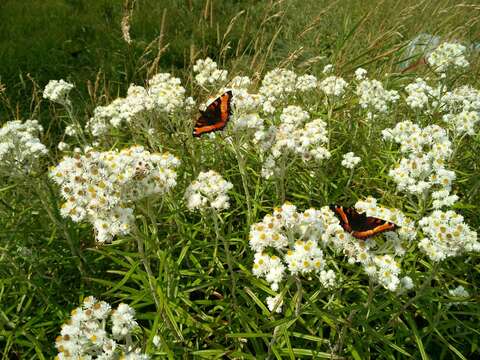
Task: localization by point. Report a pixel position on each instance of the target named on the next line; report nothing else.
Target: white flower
(164, 95)
(328, 278)
(85, 336)
(350, 160)
(123, 321)
(327, 69)
(100, 187)
(308, 141)
(209, 190)
(427, 151)
(208, 72)
(464, 122)
(360, 74)
(20, 147)
(57, 91)
(333, 86)
(240, 82)
(372, 95)
(278, 84)
(459, 292)
(302, 256)
(447, 55)
(306, 82)
(446, 235)
(418, 94)
(275, 302)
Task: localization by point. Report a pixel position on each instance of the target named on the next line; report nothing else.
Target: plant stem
(146, 265)
(228, 255)
(243, 174)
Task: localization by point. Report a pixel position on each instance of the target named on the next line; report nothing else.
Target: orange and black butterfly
(215, 117)
(359, 225)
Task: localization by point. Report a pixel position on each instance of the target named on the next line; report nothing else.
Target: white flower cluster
(374, 97)
(86, 335)
(446, 235)
(208, 72)
(276, 86)
(333, 86)
(275, 302)
(360, 74)
(306, 82)
(463, 107)
(447, 55)
(399, 238)
(428, 150)
(294, 238)
(209, 190)
(246, 108)
(240, 82)
(350, 160)
(101, 187)
(463, 98)
(459, 292)
(383, 269)
(418, 94)
(308, 141)
(20, 147)
(164, 94)
(294, 241)
(57, 91)
(464, 122)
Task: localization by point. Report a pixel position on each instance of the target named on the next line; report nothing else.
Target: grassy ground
(48, 264)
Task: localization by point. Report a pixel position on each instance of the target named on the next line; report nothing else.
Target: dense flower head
(87, 336)
(290, 136)
(20, 147)
(463, 123)
(447, 55)
(463, 98)
(123, 321)
(427, 151)
(382, 268)
(164, 95)
(101, 187)
(446, 235)
(373, 96)
(306, 82)
(418, 94)
(299, 243)
(276, 86)
(294, 237)
(350, 160)
(459, 292)
(209, 190)
(57, 91)
(166, 92)
(333, 86)
(275, 303)
(240, 82)
(360, 74)
(405, 233)
(208, 72)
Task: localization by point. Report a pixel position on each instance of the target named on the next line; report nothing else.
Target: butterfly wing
(372, 227)
(215, 117)
(342, 217)
(359, 225)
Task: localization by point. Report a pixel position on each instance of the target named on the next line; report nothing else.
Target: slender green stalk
(228, 255)
(243, 173)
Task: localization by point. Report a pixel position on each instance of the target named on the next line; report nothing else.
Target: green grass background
(80, 41)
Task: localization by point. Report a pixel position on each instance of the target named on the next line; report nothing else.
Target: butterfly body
(359, 225)
(215, 116)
